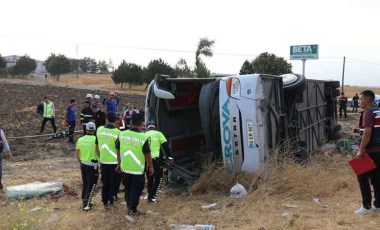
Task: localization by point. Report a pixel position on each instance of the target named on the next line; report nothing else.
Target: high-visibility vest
(156, 139)
(106, 144)
(131, 154)
(48, 109)
(87, 145)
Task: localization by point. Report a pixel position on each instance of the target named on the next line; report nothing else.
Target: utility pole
(77, 64)
(344, 64)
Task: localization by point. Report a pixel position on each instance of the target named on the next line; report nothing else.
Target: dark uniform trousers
(109, 179)
(52, 121)
(372, 176)
(89, 179)
(155, 180)
(134, 185)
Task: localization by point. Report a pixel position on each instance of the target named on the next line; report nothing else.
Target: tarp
(35, 189)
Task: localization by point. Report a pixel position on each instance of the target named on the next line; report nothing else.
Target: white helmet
(97, 97)
(89, 95)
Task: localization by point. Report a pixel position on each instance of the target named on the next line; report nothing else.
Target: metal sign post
(304, 52)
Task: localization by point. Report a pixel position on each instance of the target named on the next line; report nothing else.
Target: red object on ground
(362, 165)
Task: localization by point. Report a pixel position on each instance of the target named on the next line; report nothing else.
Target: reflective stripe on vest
(86, 145)
(106, 143)
(48, 109)
(132, 157)
(156, 139)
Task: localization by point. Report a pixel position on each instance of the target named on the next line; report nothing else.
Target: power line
(366, 62)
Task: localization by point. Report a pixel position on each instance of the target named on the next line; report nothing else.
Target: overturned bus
(240, 118)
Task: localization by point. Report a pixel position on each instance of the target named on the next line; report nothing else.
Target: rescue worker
(48, 113)
(88, 160)
(157, 140)
(89, 97)
(97, 102)
(106, 138)
(70, 117)
(98, 116)
(85, 115)
(133, 157)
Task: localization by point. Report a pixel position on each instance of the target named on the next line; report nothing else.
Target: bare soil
(283, 201)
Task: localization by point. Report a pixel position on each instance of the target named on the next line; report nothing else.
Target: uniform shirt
(99, 118)
(70, 113)
(342, 101)
(356, 100)
(4, 141)
(368, 121)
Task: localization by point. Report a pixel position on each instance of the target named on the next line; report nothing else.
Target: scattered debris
(284, 214)
(210, 206)
(35, 209)
(53, 217)
(328, 148)
(160, 223)
(151, 212)
(317, 200)
(290, 205)
(192, 227)
(215, 212)
(238, 191)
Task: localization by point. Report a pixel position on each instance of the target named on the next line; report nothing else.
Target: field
(320, 195)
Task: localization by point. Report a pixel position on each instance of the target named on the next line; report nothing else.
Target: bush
(3, 73)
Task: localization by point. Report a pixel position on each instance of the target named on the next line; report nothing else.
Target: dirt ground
(285, 205)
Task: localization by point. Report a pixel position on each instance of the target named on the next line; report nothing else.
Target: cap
(111, 117)
(136, 118)
(94, 107)
(90, 126)
(89, 95)
(97, 97)
(151, 127)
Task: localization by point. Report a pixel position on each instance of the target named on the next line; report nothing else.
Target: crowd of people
(118, 144)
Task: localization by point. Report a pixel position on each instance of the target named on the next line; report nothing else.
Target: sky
(143, 30)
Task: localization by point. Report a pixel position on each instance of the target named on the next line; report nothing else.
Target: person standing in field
(355, 103)
(88, 160)
(157, 140)
(106, 138)
(86, 115)
(342, 106)
(4, 147)
(370, 142)
(111, 104)
(70, 118)
(133, 155)
(49, 114)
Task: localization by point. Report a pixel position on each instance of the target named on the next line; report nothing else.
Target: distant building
(12, 60)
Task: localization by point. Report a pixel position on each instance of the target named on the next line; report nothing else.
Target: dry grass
(280, 197)
(350, 91)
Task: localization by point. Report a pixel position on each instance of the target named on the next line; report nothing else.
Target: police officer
(133, 155)
(49, 114)
(157, 139)
(106, 138)
(87, 158)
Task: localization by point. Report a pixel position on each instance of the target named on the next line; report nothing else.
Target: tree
(3, 63)
(57, 65)
(127, 73)
(103, 66)
(93, 66)
(204, 48)
(154, 67)
(246, 68)
(181, 69)
(267, 63)
(24, 66)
